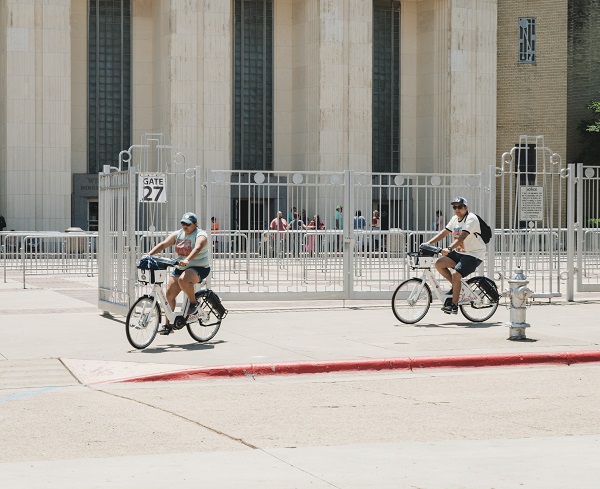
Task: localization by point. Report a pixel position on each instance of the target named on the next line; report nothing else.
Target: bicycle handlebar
(430, 249)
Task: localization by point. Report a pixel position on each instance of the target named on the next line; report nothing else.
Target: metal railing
(47, 253)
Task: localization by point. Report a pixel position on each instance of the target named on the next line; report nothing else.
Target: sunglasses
(184, 224)
(457, 207)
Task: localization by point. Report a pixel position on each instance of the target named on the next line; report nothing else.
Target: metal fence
(531, 187)
(346, 234)
(140, 202)
(48, 253)
(586, 183)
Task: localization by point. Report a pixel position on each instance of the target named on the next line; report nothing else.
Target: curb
(406, 363)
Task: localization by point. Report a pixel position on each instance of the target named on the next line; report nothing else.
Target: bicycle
(144, 317)
(478, 298)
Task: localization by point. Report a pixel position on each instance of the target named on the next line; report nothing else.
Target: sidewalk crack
(197, 423)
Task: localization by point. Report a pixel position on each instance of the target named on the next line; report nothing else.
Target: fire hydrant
(519, 294)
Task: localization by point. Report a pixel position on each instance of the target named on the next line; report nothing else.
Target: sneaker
(166, 329)
(449, 292)
(450, 308)
(192, 309)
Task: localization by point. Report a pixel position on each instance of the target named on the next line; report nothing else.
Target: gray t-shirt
(185, 244)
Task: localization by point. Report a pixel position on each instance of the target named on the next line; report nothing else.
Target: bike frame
(158, 294)
(466, 293)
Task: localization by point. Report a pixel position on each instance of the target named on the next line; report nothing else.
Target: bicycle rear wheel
(411, 300)
(206, 326)
(142, 322)
(486, 304)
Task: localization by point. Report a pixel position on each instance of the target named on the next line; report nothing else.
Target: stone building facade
(267, 84)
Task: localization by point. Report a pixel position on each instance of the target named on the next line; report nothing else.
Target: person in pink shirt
(279, 223)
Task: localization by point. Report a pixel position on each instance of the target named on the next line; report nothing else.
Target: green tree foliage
(595, 126)
(589, 130)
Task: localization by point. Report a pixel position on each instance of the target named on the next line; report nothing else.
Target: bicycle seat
(429, 250)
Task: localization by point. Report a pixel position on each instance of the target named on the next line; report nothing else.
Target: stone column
(456, 85)
(472, 85)
(193, 86)
(35, 161)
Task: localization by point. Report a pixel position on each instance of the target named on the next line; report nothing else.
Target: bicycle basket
(156, 263)
(148, 263)
(417, 260)
(151, 276)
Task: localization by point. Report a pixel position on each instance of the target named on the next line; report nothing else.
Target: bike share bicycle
(144, 317)
(478, 299)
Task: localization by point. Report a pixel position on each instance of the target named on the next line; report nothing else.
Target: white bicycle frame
(158, 294)
(466, 296)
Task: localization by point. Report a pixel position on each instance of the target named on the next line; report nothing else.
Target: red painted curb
(492, 360)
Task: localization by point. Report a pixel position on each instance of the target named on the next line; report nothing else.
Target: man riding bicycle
(465, 253)
(192, 248)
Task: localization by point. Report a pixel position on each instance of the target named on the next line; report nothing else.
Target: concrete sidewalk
(53, 331)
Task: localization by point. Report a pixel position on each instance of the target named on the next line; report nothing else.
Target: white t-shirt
(473, 244)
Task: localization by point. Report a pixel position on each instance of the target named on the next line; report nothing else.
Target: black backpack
(486, 231)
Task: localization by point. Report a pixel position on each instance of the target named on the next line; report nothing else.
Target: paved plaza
(68, 419)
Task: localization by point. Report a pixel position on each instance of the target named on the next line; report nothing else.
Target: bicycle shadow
(466, 324)
(187, 347)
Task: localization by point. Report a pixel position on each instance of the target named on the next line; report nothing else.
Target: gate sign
(152, 187)
(531, 206)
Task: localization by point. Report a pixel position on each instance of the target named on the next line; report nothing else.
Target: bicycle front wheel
(485, 306)
(142, 322)
(411, 300)
(206, 326)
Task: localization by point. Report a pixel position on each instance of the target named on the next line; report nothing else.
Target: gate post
(208, 208)
(571, 230)
(492, 221)
(131, 249)
(348, 235)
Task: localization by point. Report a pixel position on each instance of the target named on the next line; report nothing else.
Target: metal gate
(356, 227)
(140, 204)
(531, 224)
(337, 252)
(584, 214)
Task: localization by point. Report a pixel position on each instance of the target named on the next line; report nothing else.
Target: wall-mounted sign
(152, 187)
(531, 203)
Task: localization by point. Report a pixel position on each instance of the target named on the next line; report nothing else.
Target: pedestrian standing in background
(360, 224)
(214, 231)
(339, 225)
(376, 225)
(439, 222)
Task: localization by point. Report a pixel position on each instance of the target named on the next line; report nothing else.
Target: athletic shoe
(165, 330)
(449, 292)
(450, 308)
(192, 309)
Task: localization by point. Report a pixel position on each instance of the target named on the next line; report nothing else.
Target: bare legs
(185, 282)
(445, 266)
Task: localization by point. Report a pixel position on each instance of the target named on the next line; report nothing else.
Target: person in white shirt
(465, 253)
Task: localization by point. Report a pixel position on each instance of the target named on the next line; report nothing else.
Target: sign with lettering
(152, 187)
(531, 203)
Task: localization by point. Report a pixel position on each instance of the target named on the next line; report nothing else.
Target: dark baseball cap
(459, 200)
